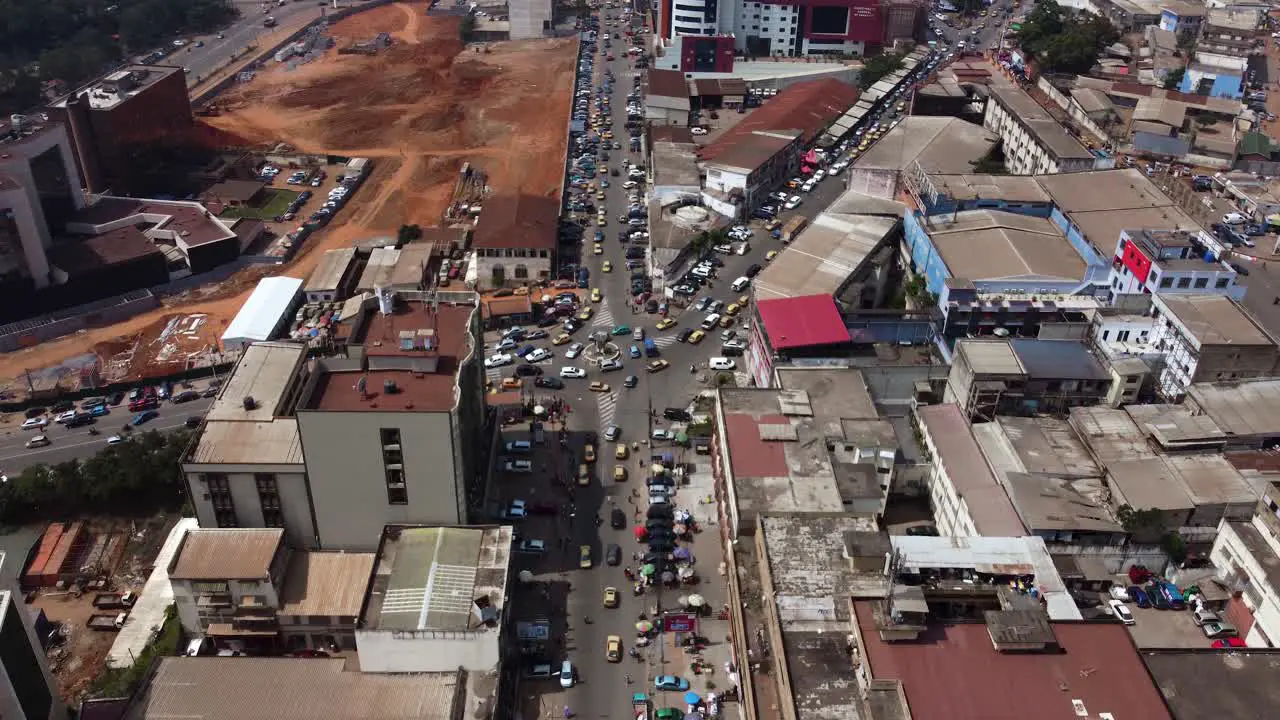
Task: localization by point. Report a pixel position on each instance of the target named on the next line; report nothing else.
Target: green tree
(969, 8)
(1173, 78)
(1063, 40)
(877, 67)
(407, 234)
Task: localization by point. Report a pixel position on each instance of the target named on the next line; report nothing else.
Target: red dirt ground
(419, 109)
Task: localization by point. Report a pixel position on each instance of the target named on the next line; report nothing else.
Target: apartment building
(335, 448)
(1010, 376)
(1034, 142)
(27, 691)
(1209, 338)
(1247, 554)
(1170, 262)
(791, 29)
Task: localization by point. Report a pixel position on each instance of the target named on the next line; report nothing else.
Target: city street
(201, 61)
(962, 28)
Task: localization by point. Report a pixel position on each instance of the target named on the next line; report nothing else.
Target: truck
(650, 348)
(106, 622)
(114, 601)
(793, 228)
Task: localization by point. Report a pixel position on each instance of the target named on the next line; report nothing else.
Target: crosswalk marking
(665, 340)
(493, 374)
(608, 406)
(603, 316)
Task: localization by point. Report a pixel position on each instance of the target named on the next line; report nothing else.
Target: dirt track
(419, 109)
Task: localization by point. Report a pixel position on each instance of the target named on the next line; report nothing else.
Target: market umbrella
(683, 601)
(668, 577)
(647, 569)
(658, 469)
(525, 576)
(639, 532)
(679, 529)
(644, 626)
(682, 437)
(539, 410)
(696, 600)
(692, 698)
(682, 554)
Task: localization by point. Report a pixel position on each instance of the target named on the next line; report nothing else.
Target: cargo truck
(113, 601)
(107, 622)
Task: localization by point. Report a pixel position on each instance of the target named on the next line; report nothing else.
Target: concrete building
(1034, 142)
(1209, 338)
(333, 277)
(847, 27)
(1229, 30)
(815, 444)
(39, 191)
(334, 449)
(741, 177)
(1247, 555)
(437, 601)
(1021, 375)
(514, 241)
(1166, 263)
(1245, 411)
(225, 585)
(27, 690)
(1181, 17)
(530, 19)
(113, 115)
(943, 145)
(966, 498)
(666, 98)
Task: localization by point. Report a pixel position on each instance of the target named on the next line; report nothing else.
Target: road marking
(603, 316)
(607, 404)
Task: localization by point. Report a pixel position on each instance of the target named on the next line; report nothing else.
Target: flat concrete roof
(118, 86)
(1198, 683)
(217, 554)
(266, 432)
(1105, 190)
(1009, 188)
(1245, 409)
(675, 164)
(1213, 320)
(823, 257)
(937, 144)
(990, 357)
(991, 244)
(430, 578)
(1039, 445)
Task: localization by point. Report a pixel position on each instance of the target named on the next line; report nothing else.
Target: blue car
(1139, 596)
(99, 410)
(670, 682)
(143, 417)
(635, 351)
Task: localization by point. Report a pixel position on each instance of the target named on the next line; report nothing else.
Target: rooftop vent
(389, 387)
(250, 403)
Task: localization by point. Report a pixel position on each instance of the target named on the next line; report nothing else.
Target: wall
(196, 623)
(1230, 553)
(348, 478)
(291, 483)
(381, 652)
(109, 311)
(923, 255)
(1116, 558)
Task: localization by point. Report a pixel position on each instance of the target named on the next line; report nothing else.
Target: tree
(970, 8)
(407, 234)
(1063, 40)
(1173, 78)
(877, 67)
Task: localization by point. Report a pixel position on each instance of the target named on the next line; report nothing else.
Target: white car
(698, 131)
(721, 363)
(1122, 612)
(1119, 592)
(793, 202)
(630, 184)
(115, 440)
(38, 441)
(660, 434)
(1234, 218)
(538, 355)
(65, 417)
(574, 351)
(808, 186)
(819, 175)
(35, 423)
(570, 371)
(518, 466)
(498, 360)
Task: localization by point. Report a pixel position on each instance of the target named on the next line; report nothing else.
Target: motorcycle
(93, 431)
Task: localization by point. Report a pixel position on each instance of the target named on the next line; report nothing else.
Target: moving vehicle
(670, 682)
(610, 597)
(584, 557)
(721, 363)
(567, 675)
(613, 648)
(38, 441)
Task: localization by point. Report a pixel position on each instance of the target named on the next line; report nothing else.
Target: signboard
(679, 622)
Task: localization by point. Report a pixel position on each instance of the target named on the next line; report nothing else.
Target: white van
(740, 284)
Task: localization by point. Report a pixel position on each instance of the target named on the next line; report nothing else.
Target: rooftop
(209, 554)
(179, 221)
(118, 86)
(955, 673)
(1047, 131)
(1040, 445)
(937, 144)
(1010, 188)
(753, 149)
(1247, 409)
(1213, 320)
(824, 255)
(802, 321)
(812, 582)
(417, 350)
(241, 688)
(240, 191)
(958, 453)
(1047, 503)
(330, 271)
(991, 244)
(1103, 190)
(1111, 435)
(1203, 684)
(674, 163)
(261, 432)
(1058, 360)
(439, 578)
(78, 256)
(401, 268)
(808, 107)
(325, 583)
(517, 221)
(667, 83)
(1227, 18)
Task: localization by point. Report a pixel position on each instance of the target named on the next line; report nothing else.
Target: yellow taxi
(742, 301)
(595, 295)
(606, 267)
(611, 597)
(597, 249)
(584, 556)
(600, 195)
(613, 649)
(620, 452)
(511, 383)
(598, 386)
(733, 309)
(586, 314)
(589, 452)
(770, 255)
(619, 473)
(656, 365)
(696, 337)
(561, 339)
(665, 323)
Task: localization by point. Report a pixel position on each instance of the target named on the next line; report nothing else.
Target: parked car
(1121, 612)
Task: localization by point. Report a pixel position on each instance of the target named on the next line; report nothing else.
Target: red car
(1231, 642)
(146, 402)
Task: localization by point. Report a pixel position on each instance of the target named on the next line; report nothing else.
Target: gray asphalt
(201, 61)
(78, 444)
(987, 38)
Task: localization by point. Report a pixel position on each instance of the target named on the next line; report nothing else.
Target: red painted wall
(1138, 263)
(723, 58)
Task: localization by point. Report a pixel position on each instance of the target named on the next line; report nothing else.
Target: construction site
(429, 111)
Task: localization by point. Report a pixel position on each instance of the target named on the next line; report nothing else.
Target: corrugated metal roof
(325, 583)
(209, 554)
(333, 266)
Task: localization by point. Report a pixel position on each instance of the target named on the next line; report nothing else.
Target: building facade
(1034, 143)
(27, 690)
(1209, 338)
(1169, 262)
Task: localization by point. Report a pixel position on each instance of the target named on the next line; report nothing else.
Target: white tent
(264, 314)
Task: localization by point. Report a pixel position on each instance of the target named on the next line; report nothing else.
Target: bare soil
(419, 109)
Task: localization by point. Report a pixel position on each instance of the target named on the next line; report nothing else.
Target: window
(1202, 282)
(226, 519)
(393, 465)
(1221, 283)
(1166, 282)
(522, 272)
(1122, 336)
(1184, 283)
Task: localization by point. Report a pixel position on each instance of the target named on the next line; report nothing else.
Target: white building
(40, 187)
(1169, 262)
(1248, 553)
(1209, 338)
(265, 314)
(1035, 143)
(437, 600)
(224, 582)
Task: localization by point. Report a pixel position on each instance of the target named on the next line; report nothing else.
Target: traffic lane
(78, 444)
(201, 61)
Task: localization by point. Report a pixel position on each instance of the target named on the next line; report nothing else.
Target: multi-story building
(742, 175)
(1229, 31)
(1246, 554)
(109, 117)
(1209, 338)
(27, 691)
(1010, 376)
(792, 28)
(437, 601)
(1170, 262)
(1181, 17)
(514, 241)
(1034, 142)
(334, 449)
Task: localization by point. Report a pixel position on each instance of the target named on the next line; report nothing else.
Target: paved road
(201, 61)
(986, 38)
(78, 444)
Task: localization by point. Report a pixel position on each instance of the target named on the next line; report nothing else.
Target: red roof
(749, 455)
(802, 321)
(805, 106)
(953, 672)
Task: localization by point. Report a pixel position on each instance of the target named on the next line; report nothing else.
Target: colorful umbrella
(682, 554)
(644, 626)
(647, 569)
(696, 600)
(639, 532)
(692, 698)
